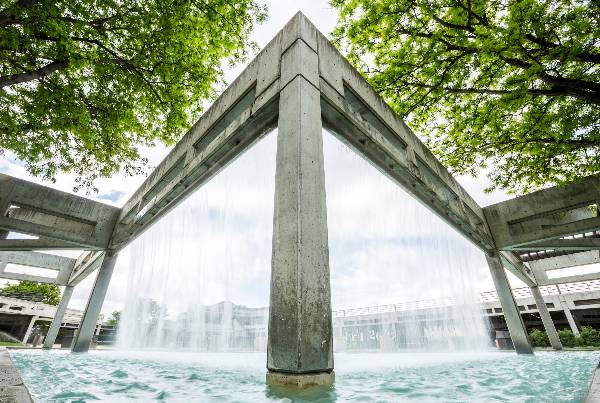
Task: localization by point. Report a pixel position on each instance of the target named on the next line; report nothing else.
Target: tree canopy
(84, 83)
(512, 87)
(31, 291)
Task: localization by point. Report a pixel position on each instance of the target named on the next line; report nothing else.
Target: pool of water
(112, 376)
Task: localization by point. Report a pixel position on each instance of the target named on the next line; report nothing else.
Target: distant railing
(524, 292)
(399, 307)
(487, 296)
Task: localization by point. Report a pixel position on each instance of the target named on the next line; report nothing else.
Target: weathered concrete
(63, 265)
(29, 328)
(541, 267)
(87, 327)
(300, 381)
(547, 215)
(86, 263)
(514, 264)
(569, 316)
(546, 318)
(593, 392)
(517, 330)
(58, 317)
(12, 389)
(300, 328)
(65, 219)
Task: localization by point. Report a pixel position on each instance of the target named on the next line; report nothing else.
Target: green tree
(512, 86)
(29, 290)
(114, 319)
(84, 83)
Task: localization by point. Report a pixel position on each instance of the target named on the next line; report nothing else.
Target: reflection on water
(111, 376)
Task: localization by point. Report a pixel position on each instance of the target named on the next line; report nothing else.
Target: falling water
(401, 278)
(199, 278)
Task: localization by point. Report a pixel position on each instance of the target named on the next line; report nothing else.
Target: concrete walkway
(12, 389)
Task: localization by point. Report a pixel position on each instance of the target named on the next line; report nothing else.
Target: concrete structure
(58, 317)
(301, 83)
(12, 389)
(17, 316)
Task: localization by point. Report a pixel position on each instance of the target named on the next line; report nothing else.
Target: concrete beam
(350, 108)
(544, 215)
(358, 116)
(569, 279)
(516, 267)
(516, 327)
(86, 263)
(85, 332)
(245, 112)
(38, 244)
(300, 327)
(564, 261)
(37, 259)
(63, 265)
(58, 318)
(33, 209)
(583, 244)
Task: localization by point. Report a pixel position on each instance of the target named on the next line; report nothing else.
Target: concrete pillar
(3, 235)
(569, 315)
(58, 317)
(516, 327)
(546, 318)
(29, 329)
(83, 336)
(299, 350)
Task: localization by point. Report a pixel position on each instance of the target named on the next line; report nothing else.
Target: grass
(10, 344)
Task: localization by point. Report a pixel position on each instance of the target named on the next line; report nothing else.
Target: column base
(300, 381)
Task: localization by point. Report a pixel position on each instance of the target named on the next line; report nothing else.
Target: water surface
(58, 376)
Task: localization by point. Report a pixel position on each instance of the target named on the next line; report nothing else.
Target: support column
(58, 317)
(84, 334)
(516, 327)
(546, 318)
(299, 350)
(569, 315)
(29, 329)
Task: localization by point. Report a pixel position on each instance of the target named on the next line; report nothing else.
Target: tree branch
(32, 75)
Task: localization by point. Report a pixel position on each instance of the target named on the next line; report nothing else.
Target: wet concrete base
(300, 381)
(12, 389)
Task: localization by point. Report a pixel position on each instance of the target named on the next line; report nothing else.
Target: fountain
(300, 85)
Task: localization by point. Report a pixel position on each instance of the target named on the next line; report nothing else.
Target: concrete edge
(593, 392)
(12, 388)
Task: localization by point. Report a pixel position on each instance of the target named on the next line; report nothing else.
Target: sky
(217, 199)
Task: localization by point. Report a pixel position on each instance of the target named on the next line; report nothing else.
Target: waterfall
(402, 279)
(198, 280)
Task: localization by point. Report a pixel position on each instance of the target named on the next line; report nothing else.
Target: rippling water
(59, 376)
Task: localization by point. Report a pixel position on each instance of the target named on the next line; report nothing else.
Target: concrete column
(516, 327)
(299, 350)
(83, 336)
(3, 235)
(58, 317)
(569, 316)
(29, 329)
(546, 318)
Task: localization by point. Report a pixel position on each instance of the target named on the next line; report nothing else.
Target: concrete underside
(300, 380)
